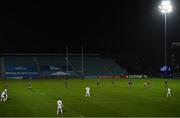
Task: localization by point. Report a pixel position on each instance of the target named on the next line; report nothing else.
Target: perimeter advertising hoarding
(20, 68)
(20, 71)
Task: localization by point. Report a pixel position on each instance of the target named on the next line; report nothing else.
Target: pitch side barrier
(106, 77)
(113, 76)
(137, 76)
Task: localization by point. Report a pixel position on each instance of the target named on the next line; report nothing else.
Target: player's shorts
(59, 108)
(169, 93)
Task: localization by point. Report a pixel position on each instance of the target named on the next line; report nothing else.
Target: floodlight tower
(165, 7)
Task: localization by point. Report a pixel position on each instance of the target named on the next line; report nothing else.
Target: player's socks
(57, 111)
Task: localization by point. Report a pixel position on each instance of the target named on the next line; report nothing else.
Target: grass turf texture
(105, 101)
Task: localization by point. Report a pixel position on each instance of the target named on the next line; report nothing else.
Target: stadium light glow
(165, 7)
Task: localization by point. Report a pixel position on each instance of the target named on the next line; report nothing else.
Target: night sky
(102, 26)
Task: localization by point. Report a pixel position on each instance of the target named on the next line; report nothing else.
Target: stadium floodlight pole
(67, 60)
(165, 7)
(82, 62)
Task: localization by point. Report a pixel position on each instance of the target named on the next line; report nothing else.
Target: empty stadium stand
(113, 66)
(32, 66)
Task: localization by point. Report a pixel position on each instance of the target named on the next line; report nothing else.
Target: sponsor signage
(20, 71)
(20, 68)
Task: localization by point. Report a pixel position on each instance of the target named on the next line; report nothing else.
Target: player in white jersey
(87, 91)
(3, 95)
(59, 106)
(169, 92)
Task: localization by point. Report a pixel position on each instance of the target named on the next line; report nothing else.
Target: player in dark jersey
(113, 84)
(147, 84)
(29, 85)
(98, 82)
(166, 83)
(129, 83)
(66, 83)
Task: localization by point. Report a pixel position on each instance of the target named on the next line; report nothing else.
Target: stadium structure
(59, 65)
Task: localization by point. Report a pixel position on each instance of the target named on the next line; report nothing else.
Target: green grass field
(109, 101)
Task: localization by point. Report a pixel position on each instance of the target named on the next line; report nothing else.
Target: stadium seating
(113, 67)
(33, 66)
(19, 60)
(91, 65)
